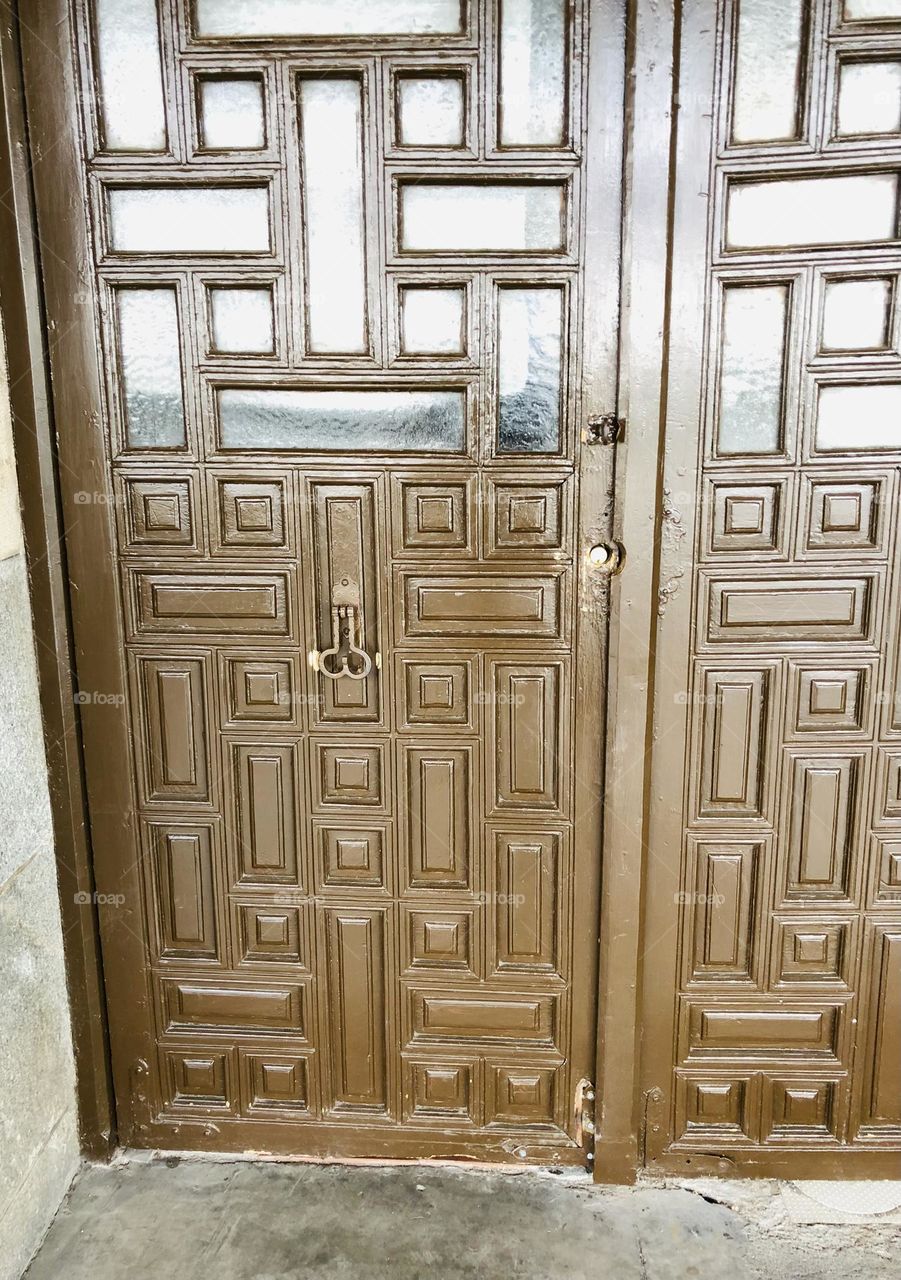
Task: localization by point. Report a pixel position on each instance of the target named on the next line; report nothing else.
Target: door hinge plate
(604, 428)
(585, 1130)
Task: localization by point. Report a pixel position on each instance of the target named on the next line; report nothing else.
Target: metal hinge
(604, 428)
(585, 1114)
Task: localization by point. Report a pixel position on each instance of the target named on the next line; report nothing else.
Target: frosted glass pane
(231, 114)
(856, 10)
(150, 368)
(130, 72)
(530, 335)
(432, 322)
(326, 17)
(855, 419)
(813, 211)
(767, 70)
(753, 369)
(533, 73)
(857, 315)
(430, 111)
(372, 420)
(189, 219)
(869, 99)
(241, 321)
(443, 217)
(331, 117)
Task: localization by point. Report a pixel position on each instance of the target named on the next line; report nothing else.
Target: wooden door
(332, 290)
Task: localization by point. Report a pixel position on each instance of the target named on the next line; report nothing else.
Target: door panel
(338, 276)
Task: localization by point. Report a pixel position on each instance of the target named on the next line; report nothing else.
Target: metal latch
(585, 1114)
(604, 428)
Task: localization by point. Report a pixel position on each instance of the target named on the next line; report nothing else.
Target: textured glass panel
(131, 75)
(432, 322)
(530, 336)
(869, 98)
(442, 217)
(753, 369)
(533, 73)
(813, 211)
(857, 314)
(231, 113)
(326, 17)
(767, 70)
(150, 368)
(241, 320)
(373, 420)
(430, 111)
(854, 419)
(856, 10)
(189, 219)
(331, 127)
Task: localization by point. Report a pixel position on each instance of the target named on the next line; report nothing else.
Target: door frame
(651, 60)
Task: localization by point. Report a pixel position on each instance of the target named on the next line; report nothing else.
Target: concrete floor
(191, 1220)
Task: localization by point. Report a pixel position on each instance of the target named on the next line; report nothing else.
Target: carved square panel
(811, 950)
(830, 699)
(441, 1091)
(526, 515)
(251, 514)
(715, 1108)
(200, 1079)
(160, 515)
(259, 689)
(277, 1083)
(438, 693)
(885, 872)
(741, 517)
(351, 774)
(351, 857)
(799, 1110)
(847, 514)
(441, 940)
(435, 516)
(271, 933)
(520, 1094)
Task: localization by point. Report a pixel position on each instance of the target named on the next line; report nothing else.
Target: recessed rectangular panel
(173, 702)
(191, 1006)
(869, 98)
(533, 73)
(331, 129)
(758, 1032)
(527, 907)
(190, 220)
(736, 716)
(483, 606)
(777, 214)
(186, 890)
(768, 58)
(821, 812)
(529, 369)
(149, 349)
(725, 910)
(860, 418)
(374, 420)
(264, 778)
(216, 19)
(484, 217)
(463, 1017)
(356, 1007)
(439, 808)
(882, 1088)
(233, 604)
(528, 768)
(130, 71)
(751, 398)
(764, 611)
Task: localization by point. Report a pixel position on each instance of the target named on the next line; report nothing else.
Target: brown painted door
(336, 325)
